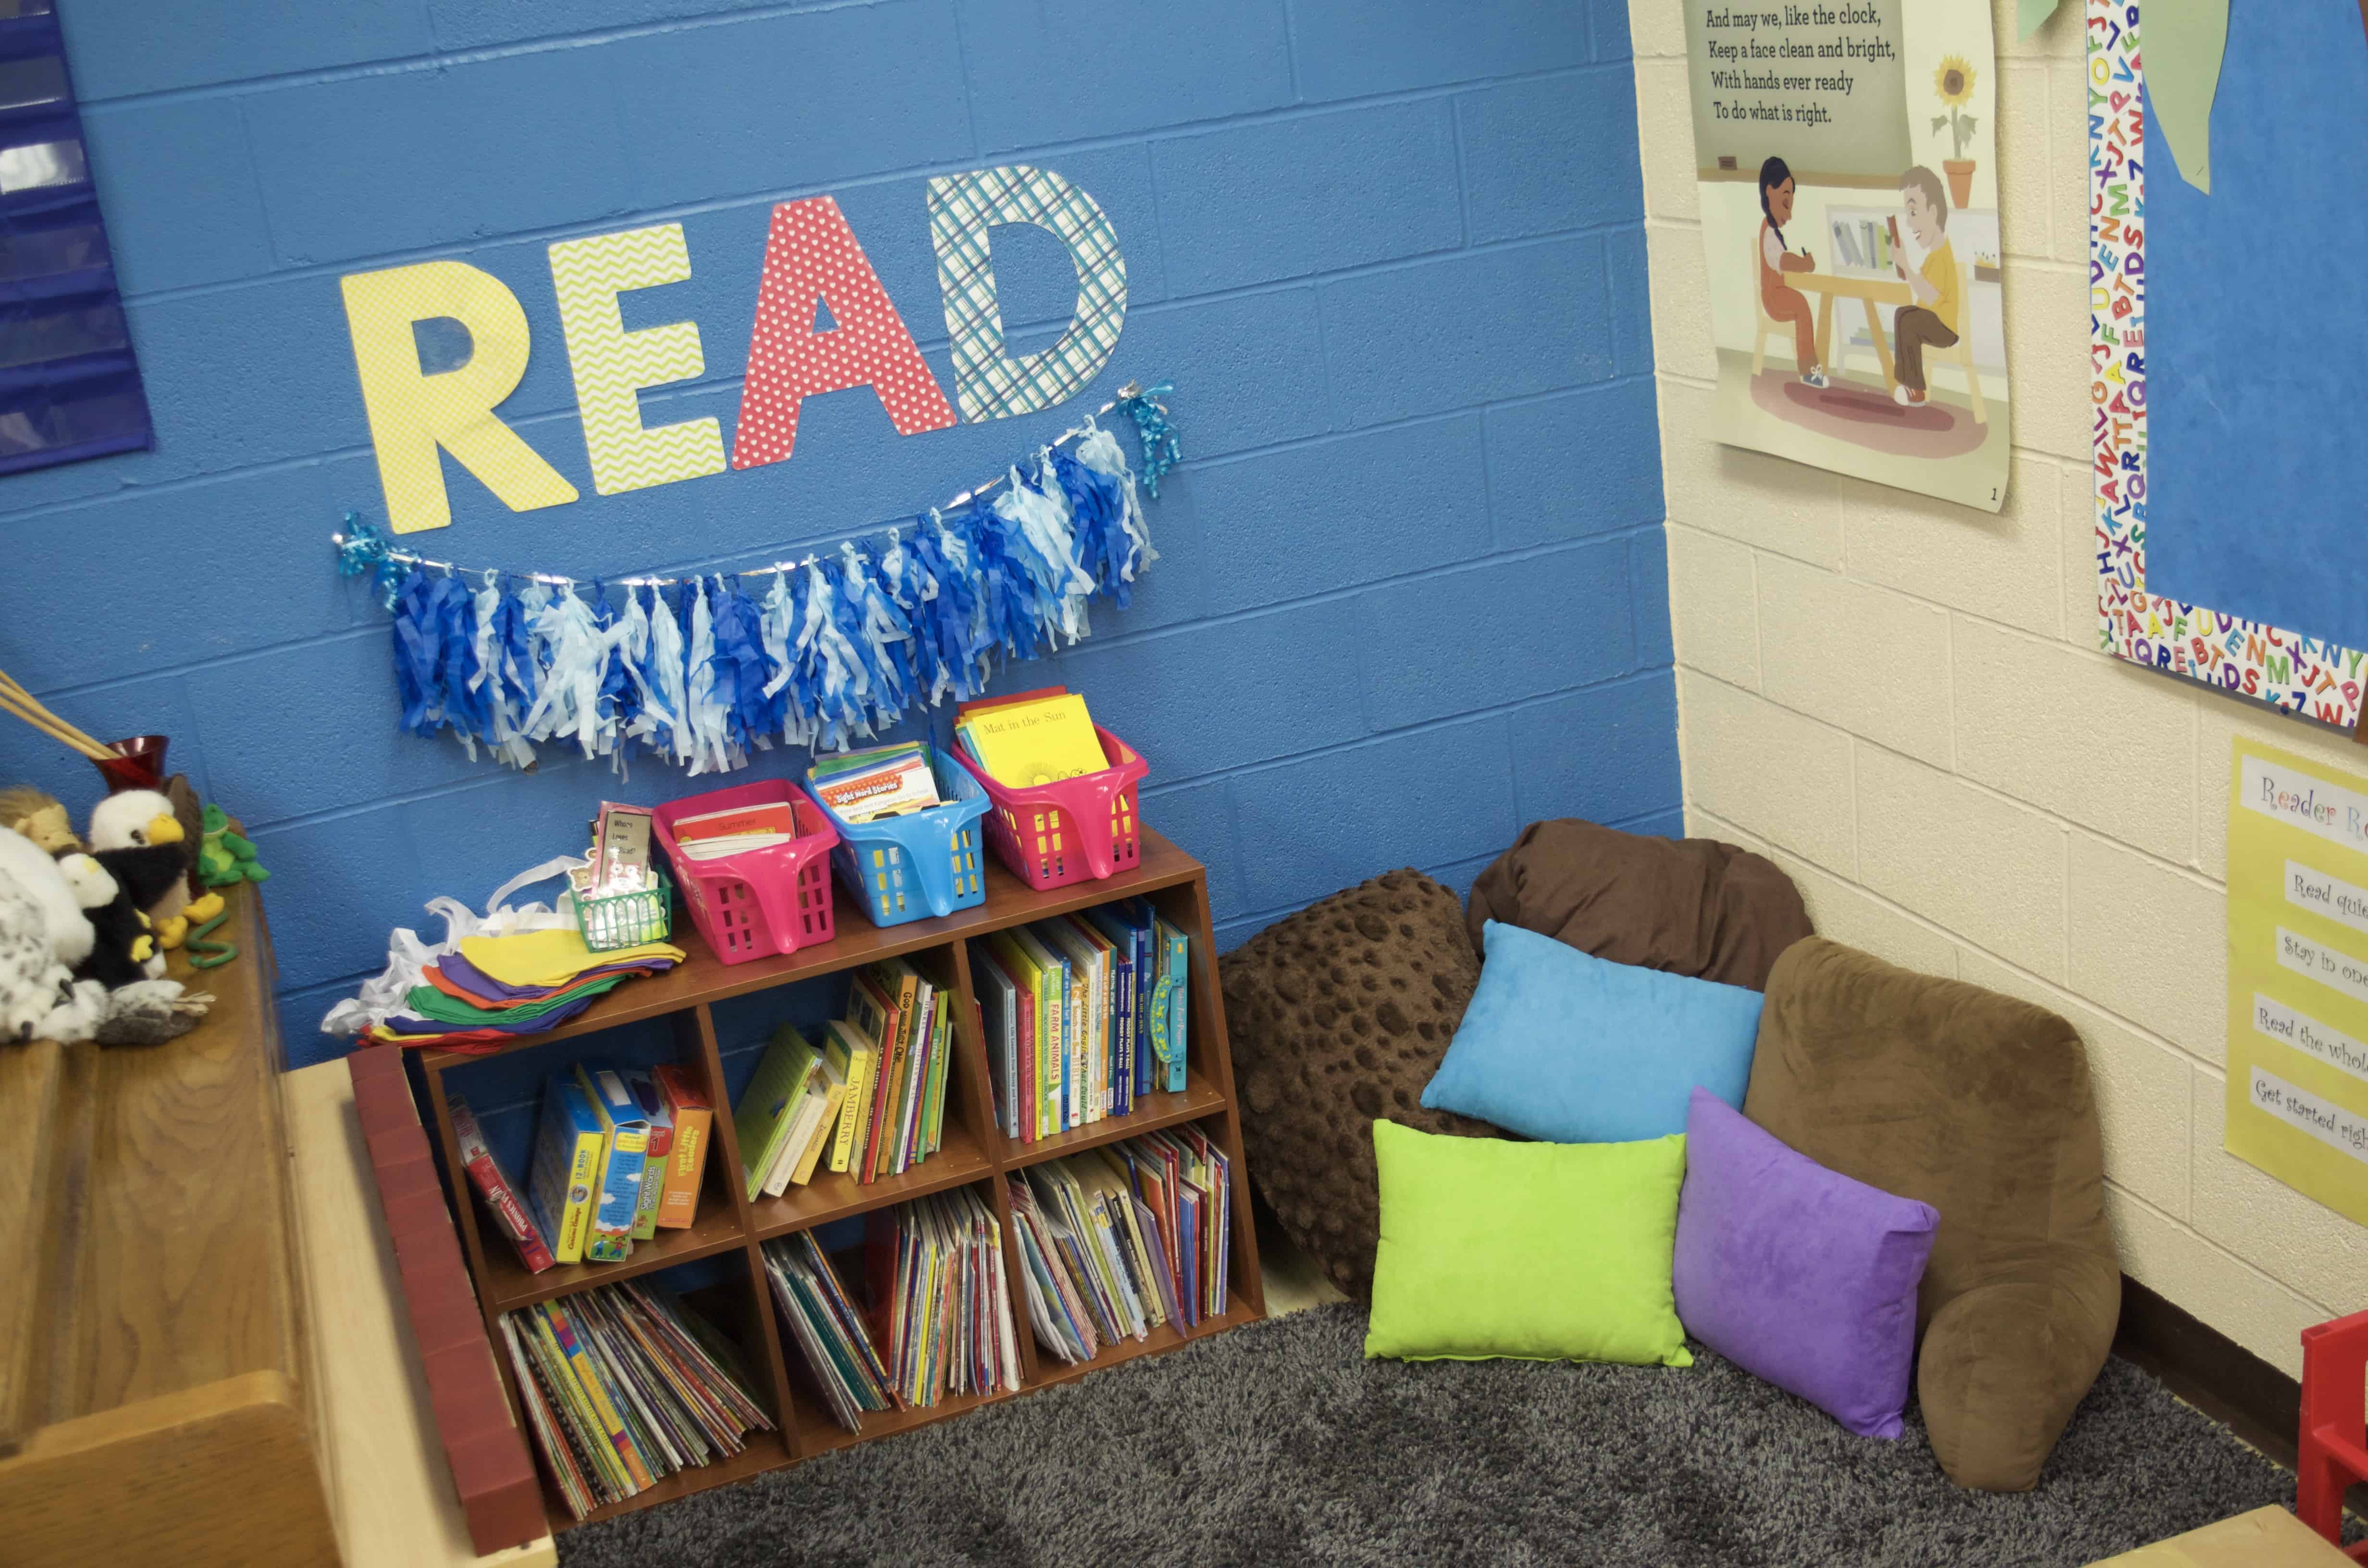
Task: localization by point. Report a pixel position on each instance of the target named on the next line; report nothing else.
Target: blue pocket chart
(69, 386)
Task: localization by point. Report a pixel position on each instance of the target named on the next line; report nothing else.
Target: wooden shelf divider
(974, 1152)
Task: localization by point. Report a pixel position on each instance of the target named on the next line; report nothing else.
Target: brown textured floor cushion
(1980, 1106)
(1339, 1014)
(1690, 907)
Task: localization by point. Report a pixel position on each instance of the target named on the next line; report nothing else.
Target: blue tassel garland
(823, 655)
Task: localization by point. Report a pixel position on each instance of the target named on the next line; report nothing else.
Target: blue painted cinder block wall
(1391, 252)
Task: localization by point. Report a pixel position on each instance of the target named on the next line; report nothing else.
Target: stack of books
(1031, 737)
(827, 1325)
(885, 782)
(1120, 1241)
(936, 1320)
(710, 835)
(1084, 1014)
(620, 1155)
(624, 1386)
(870, 1097)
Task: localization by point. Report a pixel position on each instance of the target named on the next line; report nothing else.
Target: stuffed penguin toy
(138, 837)
(125, 946)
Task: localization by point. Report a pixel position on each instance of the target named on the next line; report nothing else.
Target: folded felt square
(1798, 1274)
(1536, 1251)
(1569, 1048)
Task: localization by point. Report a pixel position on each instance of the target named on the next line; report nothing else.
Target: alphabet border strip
(2307, 676)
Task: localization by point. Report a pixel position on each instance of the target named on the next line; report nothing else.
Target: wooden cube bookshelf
(974, 1152)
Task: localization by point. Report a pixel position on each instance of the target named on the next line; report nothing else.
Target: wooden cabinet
(154, 1385)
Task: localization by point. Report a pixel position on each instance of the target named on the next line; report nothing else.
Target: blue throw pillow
(1565, 1047)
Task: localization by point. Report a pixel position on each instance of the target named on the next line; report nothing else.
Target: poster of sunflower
(1846, 153)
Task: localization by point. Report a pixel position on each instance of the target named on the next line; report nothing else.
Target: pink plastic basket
(759, 901)
(1076, 830)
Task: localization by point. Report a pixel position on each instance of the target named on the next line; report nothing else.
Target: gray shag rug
(1280, 1443)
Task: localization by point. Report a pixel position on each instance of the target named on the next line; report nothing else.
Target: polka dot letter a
(811, 255)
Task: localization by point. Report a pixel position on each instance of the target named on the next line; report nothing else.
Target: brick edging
(491, 1472)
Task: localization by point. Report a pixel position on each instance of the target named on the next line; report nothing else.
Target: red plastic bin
(759, 901)
(1074, 830)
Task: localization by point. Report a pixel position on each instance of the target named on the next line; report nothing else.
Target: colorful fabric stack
(497, 990)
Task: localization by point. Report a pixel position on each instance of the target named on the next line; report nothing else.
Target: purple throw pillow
(1798, 1274)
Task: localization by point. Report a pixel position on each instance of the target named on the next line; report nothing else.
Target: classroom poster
(2298, 975)
(1846, 155)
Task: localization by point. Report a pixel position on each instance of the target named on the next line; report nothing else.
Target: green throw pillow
(1544, 1252)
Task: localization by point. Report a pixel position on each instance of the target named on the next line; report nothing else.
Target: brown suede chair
(1980, 1106)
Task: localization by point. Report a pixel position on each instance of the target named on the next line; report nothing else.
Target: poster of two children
(1846, 160)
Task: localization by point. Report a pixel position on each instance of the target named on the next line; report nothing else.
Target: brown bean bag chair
(1980, 1106)
(1690, 907)
(1339, 1014)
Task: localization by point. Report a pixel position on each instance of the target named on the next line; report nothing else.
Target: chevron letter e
(811, 257)
(611, 366)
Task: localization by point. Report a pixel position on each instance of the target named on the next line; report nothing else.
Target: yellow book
(1036, 743)
(846, 1049)
(563, 1186)
(568, 1387)
(587, 1372)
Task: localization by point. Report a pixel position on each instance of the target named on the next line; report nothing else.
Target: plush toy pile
(83, 928)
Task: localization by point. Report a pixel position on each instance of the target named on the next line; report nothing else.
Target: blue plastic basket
(914, 868)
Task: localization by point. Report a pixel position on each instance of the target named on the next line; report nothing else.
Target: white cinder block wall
(1900, 701)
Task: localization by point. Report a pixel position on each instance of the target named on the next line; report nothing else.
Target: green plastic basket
(626, 919)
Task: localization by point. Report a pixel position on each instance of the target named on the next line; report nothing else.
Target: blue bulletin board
(2229, 345)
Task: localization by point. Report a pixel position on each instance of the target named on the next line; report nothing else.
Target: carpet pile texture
(1279, 1443)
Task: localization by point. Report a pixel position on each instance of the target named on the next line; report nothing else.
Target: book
(1128, 1080)
(885, 782)
(1136, 919)
(1113, 1012)
(829, 1331)
(933, 1105)
(898, 982)
(920, 1034)
(806, 1117)
(1054, 1030)
(624, 1154)
(856, 761)
(737, 821)
(1081, 1015)
(686, 1163)
(1033, 743)
(651, 1101)
(940, 1302)
(620, 850)
(576, 1351)
(494, 1189)
(566, 1171)
(855, 1055)
(1037, 1118)
(830, 1087)
(623, 1385)
(1170, 1031)
(761, 1119)
(717, 848)
(998, 1008)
